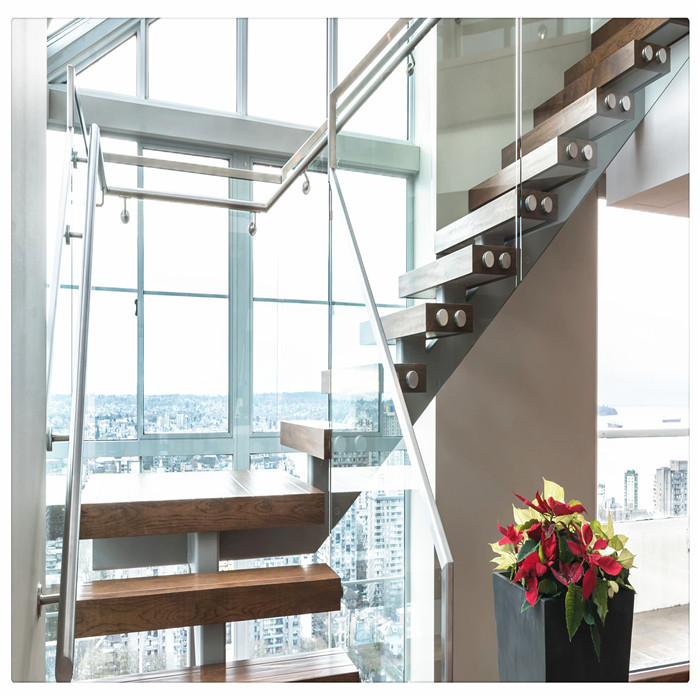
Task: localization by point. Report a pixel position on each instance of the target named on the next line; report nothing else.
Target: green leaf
(598, 531)
(528, 547)
(520, 515)
(595, 636)
(589, 612)
(609, 530)
(626, 558)
(565, 553)
(526, 605)
(618, 542)
(553, 490)
(600, 598)
(574, 609)
(547, 587)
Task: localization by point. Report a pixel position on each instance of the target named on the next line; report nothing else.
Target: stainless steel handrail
(437, 530)
(69, 562)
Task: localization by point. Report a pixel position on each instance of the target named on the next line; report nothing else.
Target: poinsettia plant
(552, 550)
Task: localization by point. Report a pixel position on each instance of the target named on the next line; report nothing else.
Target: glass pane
(643, 446)
(290, 350)
(193, 62)
(378, 206)
(110, 404)
(384, 114)
(115, 72)
(283, 56)
(188, 463)
(114, 247)
(185, 245)
(290, 250)
(185, 364)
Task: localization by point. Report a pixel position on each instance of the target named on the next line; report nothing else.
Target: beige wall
(28, 343)
(522, 405)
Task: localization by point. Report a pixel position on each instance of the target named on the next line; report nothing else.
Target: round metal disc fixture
(572, 150)
(647, 53)
(530, 202)
(587, 152)
(488, 259)
(662, 55)
(252, 228)
(460, 318)
(339, 444)
(547, 205)
(504, 261)
(412, 379)
(360, 443)
(442, 317)
(611, 101)
(626, 103)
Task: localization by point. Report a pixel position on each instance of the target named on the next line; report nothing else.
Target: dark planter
(534, 645)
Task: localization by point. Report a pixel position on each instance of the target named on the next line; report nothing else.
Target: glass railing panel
(476, 107)
(381, 542)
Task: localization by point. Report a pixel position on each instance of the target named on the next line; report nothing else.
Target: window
(643, 444)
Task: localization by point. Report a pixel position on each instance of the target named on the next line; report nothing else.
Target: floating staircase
(475, 251)
(143, 505)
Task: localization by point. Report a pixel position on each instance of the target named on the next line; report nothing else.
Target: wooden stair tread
(463, 267)
(158, 602)
(495, 219)
(607, 40)
(326, 665)
(311, 437)
(588, 117)
(545, 167)
(422, 320)
(625, 70)
(127, 505)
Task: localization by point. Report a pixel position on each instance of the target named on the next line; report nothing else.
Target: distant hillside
(607, 411)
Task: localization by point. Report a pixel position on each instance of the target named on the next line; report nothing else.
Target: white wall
(522, 405)
(28, 343)
(662, 575)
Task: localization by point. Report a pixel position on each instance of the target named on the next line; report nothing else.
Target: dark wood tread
(589, 117)
(495, 221)
(614, 34)
(312, 437)
(467, 267)
(626, 70)
(324, 666)
(128, 505)
(552, 164)
(430, 320)
(148, 603)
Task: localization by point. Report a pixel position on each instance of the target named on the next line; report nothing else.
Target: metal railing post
(71, 530)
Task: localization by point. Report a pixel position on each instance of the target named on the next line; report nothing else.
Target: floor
(660, 637)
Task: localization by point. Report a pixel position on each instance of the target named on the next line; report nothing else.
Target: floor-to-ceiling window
(202, 338)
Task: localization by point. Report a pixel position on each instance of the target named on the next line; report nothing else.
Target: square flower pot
(534, 645)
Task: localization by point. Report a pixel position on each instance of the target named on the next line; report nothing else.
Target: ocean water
(643, 454)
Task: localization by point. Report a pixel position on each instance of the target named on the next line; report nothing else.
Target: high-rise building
(631, 489)
(671, 489)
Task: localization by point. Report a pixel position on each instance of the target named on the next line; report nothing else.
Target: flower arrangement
(551, 550)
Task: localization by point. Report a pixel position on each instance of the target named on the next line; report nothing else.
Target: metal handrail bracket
(65, 640)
